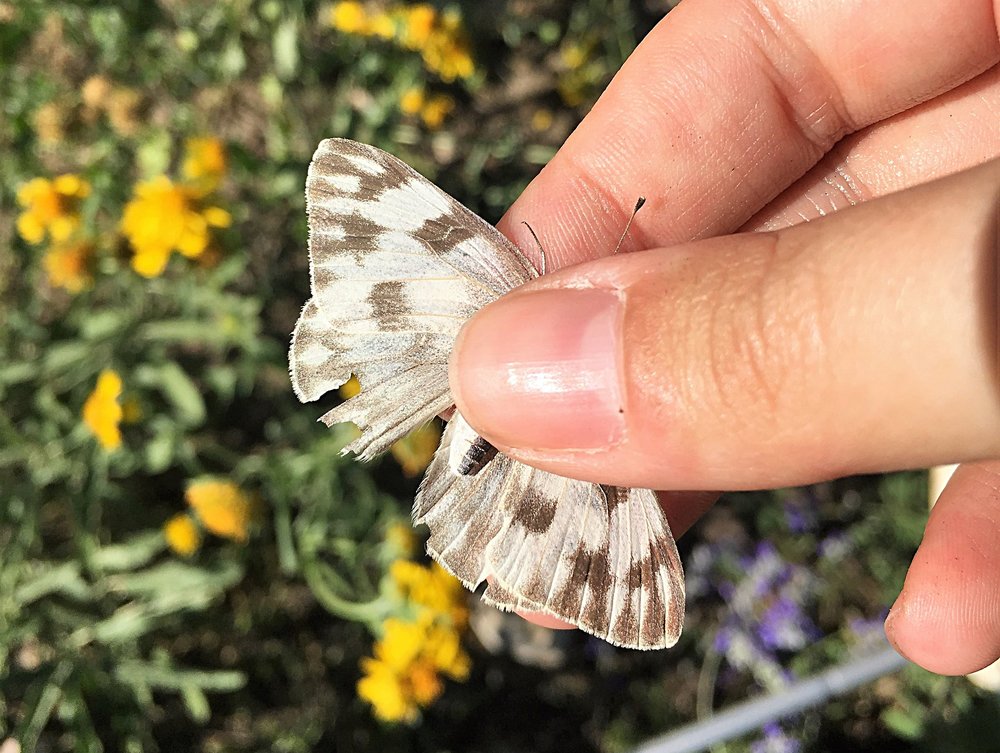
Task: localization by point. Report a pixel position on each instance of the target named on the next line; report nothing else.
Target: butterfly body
(397, 267)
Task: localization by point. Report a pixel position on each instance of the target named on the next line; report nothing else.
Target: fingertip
(947, 618)
(545, 620)
(934, 634)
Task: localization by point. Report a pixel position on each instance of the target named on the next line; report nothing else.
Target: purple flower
(785, 627)
(723, 639)
(775, 740)
(800, 515)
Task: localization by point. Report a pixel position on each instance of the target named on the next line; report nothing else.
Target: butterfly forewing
(397, 267)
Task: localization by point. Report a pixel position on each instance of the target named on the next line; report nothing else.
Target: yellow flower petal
(350, 388)
(204, 162)
(411, 101)
(217, 217)
(28, 192)
(386, 692)
(401, 643)
(194, 236)
(30, 228)
(435, 111)
(349, 17)
(223, 508)
(102, 413)
(445, 648)
(418, 26)
(182, 535)
(150, 262)
(382, 26)
(61, 228)
(67, 265)
(415, 451)
(69, 185)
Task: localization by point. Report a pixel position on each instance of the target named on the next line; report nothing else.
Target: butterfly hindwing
(397, 267)
(599, 557)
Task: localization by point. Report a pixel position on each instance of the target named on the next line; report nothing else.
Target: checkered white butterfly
(397, 267)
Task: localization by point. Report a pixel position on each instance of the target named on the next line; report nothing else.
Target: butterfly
(397, 266)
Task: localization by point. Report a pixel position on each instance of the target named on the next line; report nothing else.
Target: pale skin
(852, 327)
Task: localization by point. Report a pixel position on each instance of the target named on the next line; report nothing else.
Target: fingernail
(540, 370)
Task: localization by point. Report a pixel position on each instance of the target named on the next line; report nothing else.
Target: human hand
(865, 341)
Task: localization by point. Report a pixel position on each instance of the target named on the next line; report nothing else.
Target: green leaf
(100, 325)
(40, 711)
(182, 331)
(153, 154)
(903, 723)
(129, 555)
(166, 676)
(286, 49)
(171, 577)
(63, 578)
(196, 702)
(17, 372)
(63, 356)
(183, 394)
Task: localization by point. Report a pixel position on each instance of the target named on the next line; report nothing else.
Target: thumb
(861, 342)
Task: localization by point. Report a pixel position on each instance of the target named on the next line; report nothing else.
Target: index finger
(727, 102)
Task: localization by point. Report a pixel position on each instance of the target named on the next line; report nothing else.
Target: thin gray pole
(752, 715)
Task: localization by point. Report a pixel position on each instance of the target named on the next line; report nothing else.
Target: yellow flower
(415, 451)
(386, 692)
(436, 109)
(50, 206)
(409, 658)
(204, 163)
(404, 673)
(67, 265)
(164, 217)
(418, 23)
(349, 17)
(448, 56)
(411, 101)
(102, 413)
(431, 587)
(350, 388)
(223, 508)
(182, 535)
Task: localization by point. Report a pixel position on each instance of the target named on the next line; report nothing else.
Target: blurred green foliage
(108, 641)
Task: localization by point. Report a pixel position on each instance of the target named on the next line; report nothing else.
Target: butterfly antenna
(638, 206)
(539, 243)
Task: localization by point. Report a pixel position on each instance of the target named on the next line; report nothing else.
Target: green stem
(370, 613)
